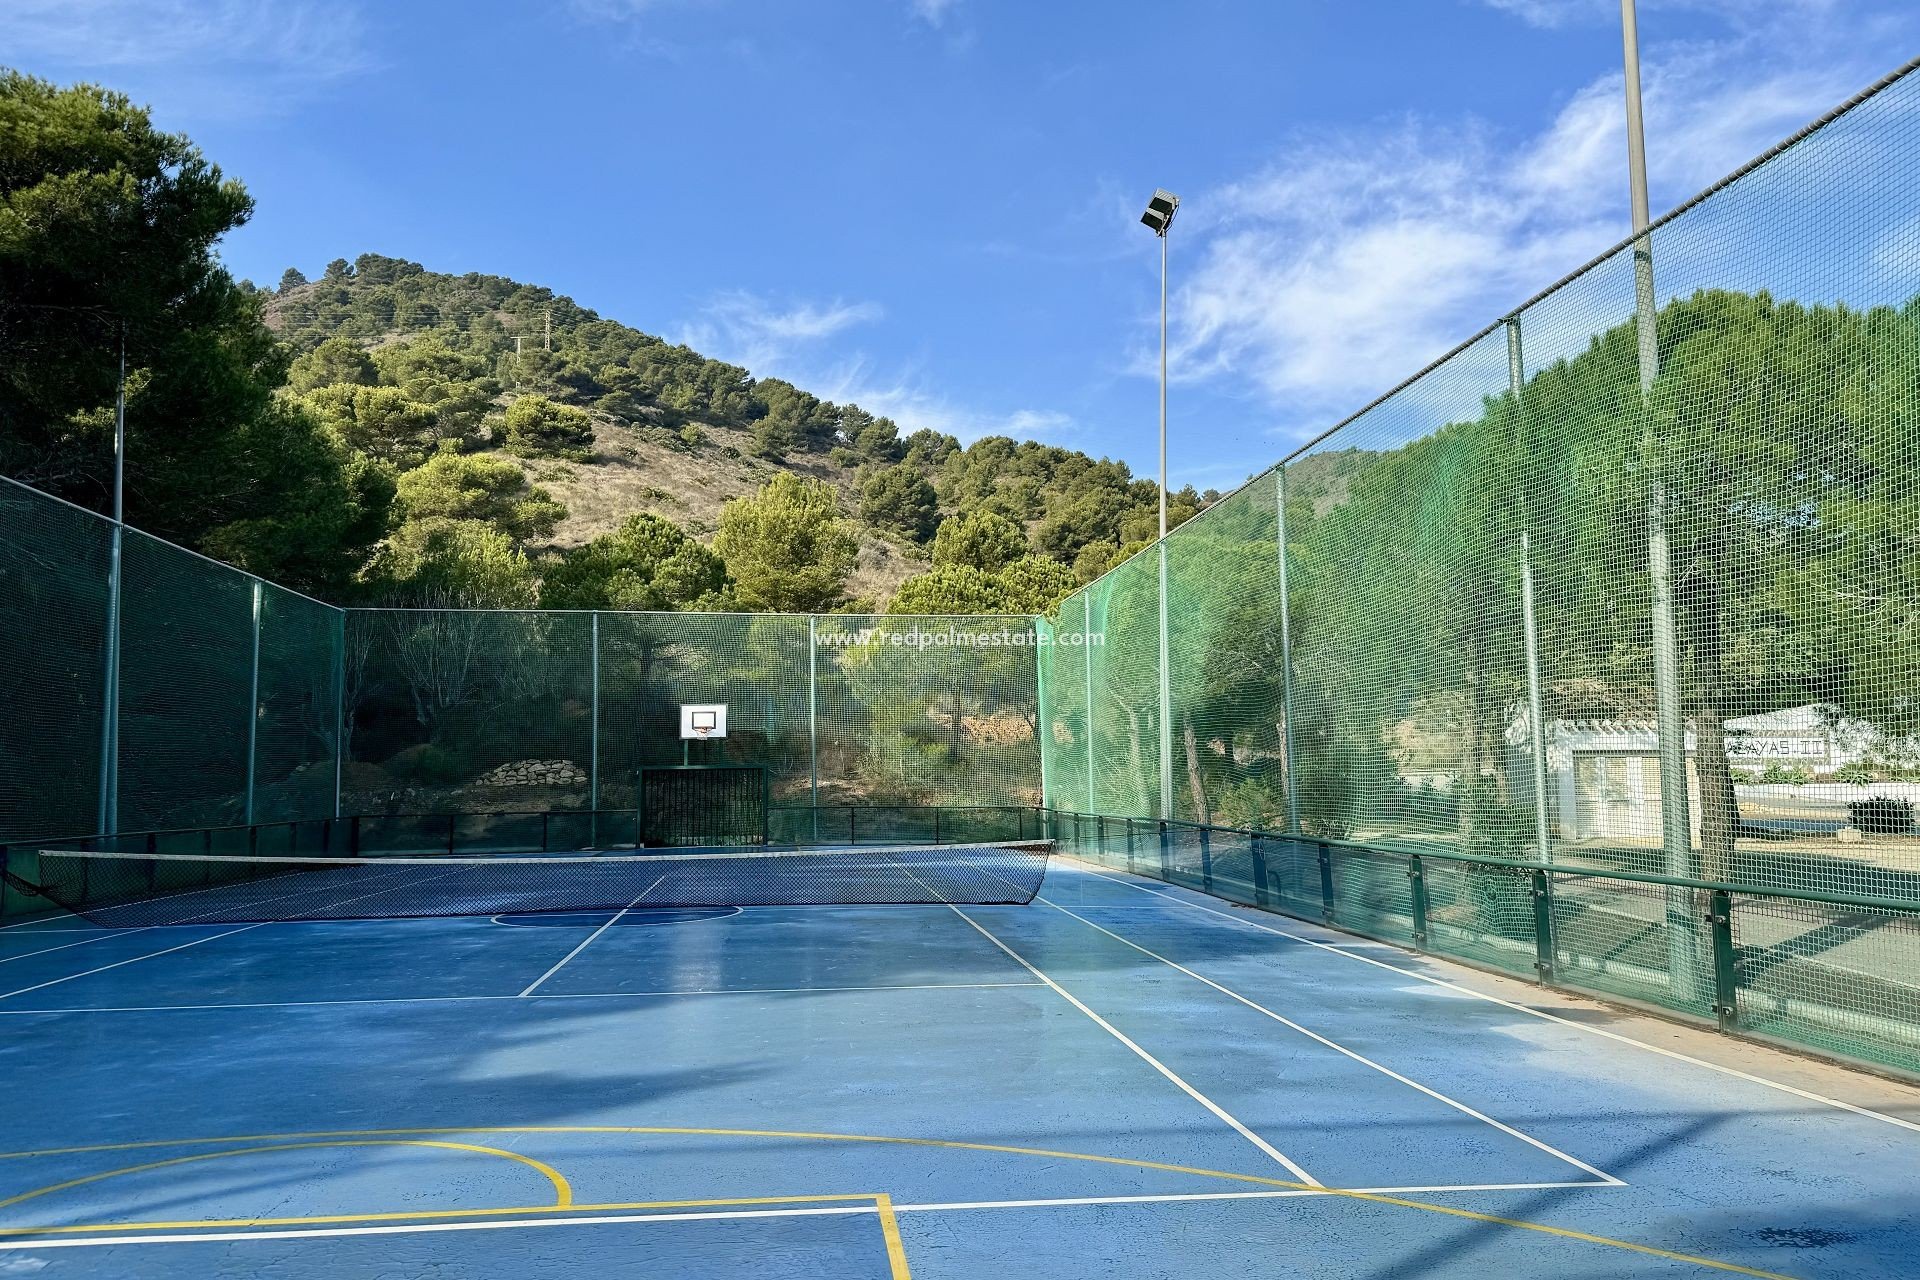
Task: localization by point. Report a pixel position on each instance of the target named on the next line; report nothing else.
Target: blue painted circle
(637, 916)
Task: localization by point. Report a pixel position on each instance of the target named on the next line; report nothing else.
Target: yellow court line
(890, 1228)
(563, 1193)
(1567, 1233)
(664, 1131)
(673, 1131)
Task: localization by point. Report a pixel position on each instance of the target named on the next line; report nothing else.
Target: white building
(1603, 776)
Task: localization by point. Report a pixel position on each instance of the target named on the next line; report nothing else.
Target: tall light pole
(108, 814)
(1159, 216)
(1676, 828)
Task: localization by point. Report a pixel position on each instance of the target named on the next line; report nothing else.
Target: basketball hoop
(704, 721)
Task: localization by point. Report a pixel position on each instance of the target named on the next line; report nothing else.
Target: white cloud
(792, 340)
(1551, 14)
(1325, 279)
(914, 405)
(933, 12)
(749, 330)
(209, 57)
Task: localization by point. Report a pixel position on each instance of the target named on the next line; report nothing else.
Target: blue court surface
(1120, 1079)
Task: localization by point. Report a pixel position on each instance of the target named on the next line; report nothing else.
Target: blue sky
(930, 206)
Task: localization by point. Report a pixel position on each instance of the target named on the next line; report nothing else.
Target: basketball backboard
(703, 720)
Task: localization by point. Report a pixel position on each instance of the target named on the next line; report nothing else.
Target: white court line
(45, 920)
(98, 936)
(1218, 1111)
(1516, 1007)
(183, 946)
(109, 930)
(133, 960)
(504, 1224)
(567, 995)
(588, 941)
(1178, 1198)
(1363, 1060)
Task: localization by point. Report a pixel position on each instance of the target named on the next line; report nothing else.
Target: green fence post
(1130, 857)
(340, 734)
(593, 741)
(1289, 759)
(1417, 875)
(1726, 972)
(813, 722)
(1326, 881)
(1542, 891)
(1166, 853)
(1260, 894)
(253, 704)
(1206, 858)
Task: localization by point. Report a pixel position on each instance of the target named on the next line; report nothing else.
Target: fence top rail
(943, 808)
(108, 521)
(872, 620)
(1863, 901)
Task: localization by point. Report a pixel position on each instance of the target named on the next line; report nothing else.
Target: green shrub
(1881, 815)
(427, 763)
(1858, 773)
(441, 767)
(1496, 828)
(539, 428)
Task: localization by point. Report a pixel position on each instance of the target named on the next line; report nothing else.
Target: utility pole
(1676, 827)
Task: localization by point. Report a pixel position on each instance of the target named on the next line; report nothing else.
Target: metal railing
(1783, 964)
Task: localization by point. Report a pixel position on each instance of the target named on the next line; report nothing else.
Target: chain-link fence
(479, 711)
(199, 696)
(194, 695)
(1564, 600)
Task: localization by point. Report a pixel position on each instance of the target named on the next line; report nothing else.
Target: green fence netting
(457, 711)
(296, 708)
(222, 686)
(454, 710)
(927, 710)
(53, 653)
(239, 702)
(186, 668)
(1436, 629)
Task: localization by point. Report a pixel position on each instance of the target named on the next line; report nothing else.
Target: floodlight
(1160, 211)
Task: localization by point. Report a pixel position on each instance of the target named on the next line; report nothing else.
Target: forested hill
(388, 434)
(635, 424)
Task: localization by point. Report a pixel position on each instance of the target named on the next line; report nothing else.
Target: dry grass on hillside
(637, 469)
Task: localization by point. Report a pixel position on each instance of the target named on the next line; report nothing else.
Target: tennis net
(141, 890)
